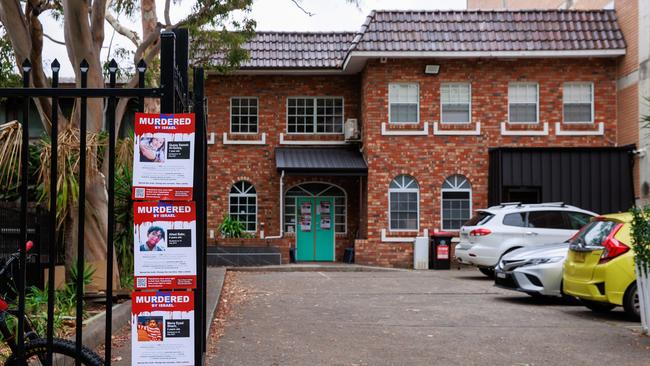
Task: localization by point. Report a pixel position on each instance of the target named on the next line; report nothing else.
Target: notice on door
(162, 328)
(305, 216)
(165, 245)
(163, 156)
(324, 208)
(325, 223)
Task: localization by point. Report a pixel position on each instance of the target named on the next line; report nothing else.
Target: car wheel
(598, 307)
(631, 303)
(487, 271)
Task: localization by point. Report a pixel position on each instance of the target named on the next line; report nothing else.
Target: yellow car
(599, 269)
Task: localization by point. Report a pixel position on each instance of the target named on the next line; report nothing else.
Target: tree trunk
(149, 25)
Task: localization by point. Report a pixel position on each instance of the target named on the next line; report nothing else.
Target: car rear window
(479, 218)
(577, 220)
(594, 233)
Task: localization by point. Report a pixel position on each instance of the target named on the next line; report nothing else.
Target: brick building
(435, 96)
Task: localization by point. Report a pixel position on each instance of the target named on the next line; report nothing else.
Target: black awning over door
(333, 161)
(595, 179)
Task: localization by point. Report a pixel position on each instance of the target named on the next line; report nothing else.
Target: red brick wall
(432, 158)
(427, 158)
(230, 163)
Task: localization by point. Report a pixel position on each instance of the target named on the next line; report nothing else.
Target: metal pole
(82, 210)
(27, 66)
(54, 176)
(199, 198)
(110, 120)
(168, 72)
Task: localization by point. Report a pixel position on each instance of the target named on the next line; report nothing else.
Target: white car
(497, 230)
(536, 270)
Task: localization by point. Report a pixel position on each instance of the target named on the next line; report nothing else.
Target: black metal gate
(174, 98)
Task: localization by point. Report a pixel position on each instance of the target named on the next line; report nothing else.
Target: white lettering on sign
(166, 299)
(157, 121)
(164, 209)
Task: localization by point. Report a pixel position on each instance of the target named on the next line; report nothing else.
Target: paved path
(416, 318)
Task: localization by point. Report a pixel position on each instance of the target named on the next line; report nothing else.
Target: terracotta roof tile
(442, 31)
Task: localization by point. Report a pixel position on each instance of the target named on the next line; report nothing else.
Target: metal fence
(174, 98)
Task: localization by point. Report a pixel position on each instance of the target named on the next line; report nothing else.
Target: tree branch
(295, 2)
(130, 34)
(151, 39)
(168, 21)
(53, 40)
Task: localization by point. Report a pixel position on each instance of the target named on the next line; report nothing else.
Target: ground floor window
(243, 204)
(404, 197)
(315, 190)
(456, 202)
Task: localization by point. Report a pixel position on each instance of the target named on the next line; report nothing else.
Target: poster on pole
(163, 156)
(162, 328)
(164, 245)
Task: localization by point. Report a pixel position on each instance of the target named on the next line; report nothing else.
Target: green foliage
(123, 238)
(10, 185)
(9, 76)
(640, 233)
(233, 228)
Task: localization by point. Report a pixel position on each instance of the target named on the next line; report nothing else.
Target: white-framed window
(244, 114)
(403, 103)
(456, 202)
(243, 204)
(578, 102)
(315, 115)
(315, 189)
(523, 103)
(455, 103)
(404, 204)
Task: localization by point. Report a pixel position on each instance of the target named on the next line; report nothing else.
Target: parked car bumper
(544, 279)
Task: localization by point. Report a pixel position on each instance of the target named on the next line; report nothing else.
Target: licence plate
(501, 275)
(579, 257)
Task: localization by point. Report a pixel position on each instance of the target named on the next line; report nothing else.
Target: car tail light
(480, 232)
(613, 247)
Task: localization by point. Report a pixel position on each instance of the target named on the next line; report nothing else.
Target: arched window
(243, 204)
(456, 202)
(315, 189)
(404, 200)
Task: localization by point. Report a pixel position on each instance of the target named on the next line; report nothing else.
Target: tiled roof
(439, 31)
(522, 30)
(298, 50)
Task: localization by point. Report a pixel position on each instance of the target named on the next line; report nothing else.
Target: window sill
(599, 132)
(395, 239)
(228, 141)
(456, 132)
(523, 132)
(284, 141)
(386, 131)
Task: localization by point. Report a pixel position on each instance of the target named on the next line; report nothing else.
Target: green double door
(315, 229)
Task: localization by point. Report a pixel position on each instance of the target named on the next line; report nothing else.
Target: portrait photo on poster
(150, 328)
(152, 148)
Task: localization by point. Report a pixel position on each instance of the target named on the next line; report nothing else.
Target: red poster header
(162, 301)
(163, 211)
(164, 123)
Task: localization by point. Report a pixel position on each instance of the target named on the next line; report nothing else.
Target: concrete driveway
(451, 317)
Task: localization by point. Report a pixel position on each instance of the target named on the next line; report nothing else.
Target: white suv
(497, 230)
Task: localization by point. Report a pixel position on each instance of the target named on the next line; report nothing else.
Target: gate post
(168, 72)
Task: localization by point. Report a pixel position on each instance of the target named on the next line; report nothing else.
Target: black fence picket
(175, 98)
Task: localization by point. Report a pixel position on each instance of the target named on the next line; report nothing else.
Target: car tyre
(598, 307)
(631, 303)
(487, 271)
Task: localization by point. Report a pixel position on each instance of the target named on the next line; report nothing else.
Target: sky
(278, 15)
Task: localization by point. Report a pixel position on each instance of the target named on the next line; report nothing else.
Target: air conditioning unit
(351, 129)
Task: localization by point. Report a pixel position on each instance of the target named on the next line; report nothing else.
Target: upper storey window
(404, 103)
(243, 115)
(523, 103)
(315, 115)
(578, 102)
(455, 103)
